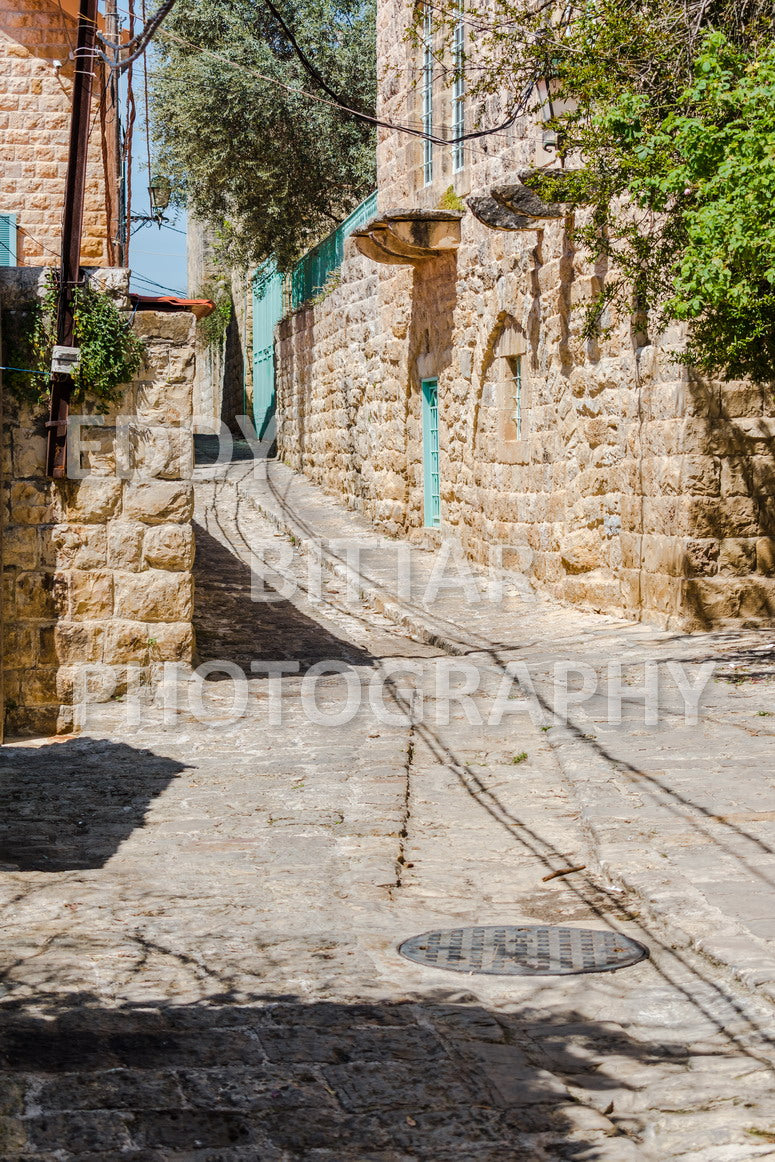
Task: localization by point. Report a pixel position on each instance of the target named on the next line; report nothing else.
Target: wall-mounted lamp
(159, 192)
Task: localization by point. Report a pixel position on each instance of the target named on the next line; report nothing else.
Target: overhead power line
(333, 99)
(138, 44)
(359, 113)
(334, 103)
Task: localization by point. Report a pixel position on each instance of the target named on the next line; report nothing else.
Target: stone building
(97, 569)
(223, 380)
(36, 79)
(444, 388)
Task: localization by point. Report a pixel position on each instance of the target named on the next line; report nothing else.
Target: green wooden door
(267, 312)
(430, 452)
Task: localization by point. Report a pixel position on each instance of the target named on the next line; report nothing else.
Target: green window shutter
(7, 240)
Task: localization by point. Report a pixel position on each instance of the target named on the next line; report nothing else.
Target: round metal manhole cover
(532, 950)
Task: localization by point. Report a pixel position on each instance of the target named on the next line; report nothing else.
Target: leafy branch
(111, 353)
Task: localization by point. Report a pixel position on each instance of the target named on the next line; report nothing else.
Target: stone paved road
(201, 912)
(681, 812)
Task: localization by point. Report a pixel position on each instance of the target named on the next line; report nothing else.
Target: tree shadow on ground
(240, 618)
(277, 1080)
(71, 804)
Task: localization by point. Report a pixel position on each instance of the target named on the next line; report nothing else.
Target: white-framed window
(427, 95)
(458, 93)
(514, 399)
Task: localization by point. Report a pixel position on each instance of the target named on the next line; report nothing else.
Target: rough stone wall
(97, 574)
(35, 99)
(633, 487)
(223, 381)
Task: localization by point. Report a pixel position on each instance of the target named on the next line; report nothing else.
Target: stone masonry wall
(633, 487)
(97, 577)
(223, 382)
(35, 98)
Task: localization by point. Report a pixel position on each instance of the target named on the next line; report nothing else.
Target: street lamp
(159, 192)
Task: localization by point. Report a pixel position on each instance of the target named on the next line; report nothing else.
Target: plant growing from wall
(111, 353)
(450, 200)
(213, 327)
(664, 115)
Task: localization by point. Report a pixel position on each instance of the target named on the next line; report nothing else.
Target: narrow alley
(203, 901)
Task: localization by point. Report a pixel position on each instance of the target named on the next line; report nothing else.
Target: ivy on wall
(664, 116)
(111, 353)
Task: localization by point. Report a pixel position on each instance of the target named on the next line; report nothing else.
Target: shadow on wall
(234, 372)
(273, 1077)
(240, 618)
(72, 804)
(430, 345)
(730, 563)
(296, 336)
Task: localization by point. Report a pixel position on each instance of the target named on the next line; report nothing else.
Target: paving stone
(205, 967)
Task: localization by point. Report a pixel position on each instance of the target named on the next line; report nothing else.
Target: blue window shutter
(7, 240)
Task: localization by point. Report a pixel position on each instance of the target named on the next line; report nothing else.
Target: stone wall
(35, 99)
(633, 487)
(97, 574)
(223, 380)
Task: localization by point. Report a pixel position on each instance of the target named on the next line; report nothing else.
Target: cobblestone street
(202, 899)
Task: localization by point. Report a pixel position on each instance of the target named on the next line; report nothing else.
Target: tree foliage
(665, 118)
(268, 169)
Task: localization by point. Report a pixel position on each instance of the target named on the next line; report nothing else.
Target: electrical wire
(335, 102)
(146, 105)
(159, 286)
(306, 62)
(131, 115)
(139, 42)
(376, 121)
(38, 242)
(25, 370)
(162, 225)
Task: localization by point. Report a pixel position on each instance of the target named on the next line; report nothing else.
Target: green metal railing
(311, 274)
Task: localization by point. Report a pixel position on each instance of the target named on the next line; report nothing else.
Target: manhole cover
(524, 951)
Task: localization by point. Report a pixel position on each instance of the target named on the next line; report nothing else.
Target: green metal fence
(310, 275)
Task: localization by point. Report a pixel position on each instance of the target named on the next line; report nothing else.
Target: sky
(155, 254)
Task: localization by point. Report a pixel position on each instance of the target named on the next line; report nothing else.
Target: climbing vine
(111, 353)
(663, 113)
(213, 327)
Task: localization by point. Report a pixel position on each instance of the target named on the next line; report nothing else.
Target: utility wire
(306, 62)
(25, 370)
(150, 282)
(147, 111)
(335, 101)
(335, 104)
(140, 42)
(131, 115)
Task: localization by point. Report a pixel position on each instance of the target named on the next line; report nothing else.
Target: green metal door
(267, 312)
(430, 452)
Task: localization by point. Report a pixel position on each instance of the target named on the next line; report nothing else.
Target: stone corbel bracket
(497, 216)
(516, 206)
(405, 237)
